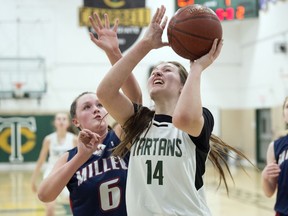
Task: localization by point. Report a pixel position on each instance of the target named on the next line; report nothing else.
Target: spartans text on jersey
(158, 146)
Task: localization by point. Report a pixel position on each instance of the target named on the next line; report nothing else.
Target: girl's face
(285, 111)
(90, 113)
(164, 79)
(61, 121)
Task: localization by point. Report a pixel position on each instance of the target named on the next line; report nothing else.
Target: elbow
(268, 189)
(104, 94)
(45, 196)
(181, 121)
(100, 92)
(192, 126)
(178, 121)
(268, 194)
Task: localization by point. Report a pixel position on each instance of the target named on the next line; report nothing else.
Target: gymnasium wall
(248, 75)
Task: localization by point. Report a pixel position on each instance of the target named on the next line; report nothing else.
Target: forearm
(37, 170)
(132, 89)
(52, 186)
(119, 73)
(192, 95)
(114, 56)
(191, 88)
(268, 187)
(190, 120)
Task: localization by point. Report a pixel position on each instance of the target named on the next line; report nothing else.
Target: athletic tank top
(165, 170)
(281, 155)
(98, 186)
(56, 149)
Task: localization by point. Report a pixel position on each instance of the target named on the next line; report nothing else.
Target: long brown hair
(142, 119)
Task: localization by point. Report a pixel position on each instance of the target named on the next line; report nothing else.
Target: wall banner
(132, 14)
(21, 137)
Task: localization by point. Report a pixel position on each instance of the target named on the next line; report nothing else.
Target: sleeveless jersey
(281, 156)
(98, 186)
(57, 149)
(165, 170)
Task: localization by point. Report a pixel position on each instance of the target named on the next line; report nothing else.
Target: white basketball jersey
(56, 149)
(165, 172)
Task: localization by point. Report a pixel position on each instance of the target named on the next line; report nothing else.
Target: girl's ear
(75, 122)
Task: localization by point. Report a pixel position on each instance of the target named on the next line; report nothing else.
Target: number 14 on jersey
(154, 172)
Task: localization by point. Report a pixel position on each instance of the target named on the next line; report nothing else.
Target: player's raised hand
(107, 37)
(154, 33)
(88, 141)
(271, 171)
(210, 57)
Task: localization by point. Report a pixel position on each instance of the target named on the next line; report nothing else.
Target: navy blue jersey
(281, 156)
(98, 186)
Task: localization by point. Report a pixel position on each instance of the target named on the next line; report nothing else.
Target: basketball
(192, 30)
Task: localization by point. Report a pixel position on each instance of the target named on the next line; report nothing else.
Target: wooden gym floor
(245, 196)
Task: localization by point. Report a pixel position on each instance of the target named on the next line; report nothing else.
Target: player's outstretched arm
(63, 170)
(191, 120)
(270, 173)
(117, 104)
(108, 41)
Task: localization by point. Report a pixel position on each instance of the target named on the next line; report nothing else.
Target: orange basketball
(192, 30)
